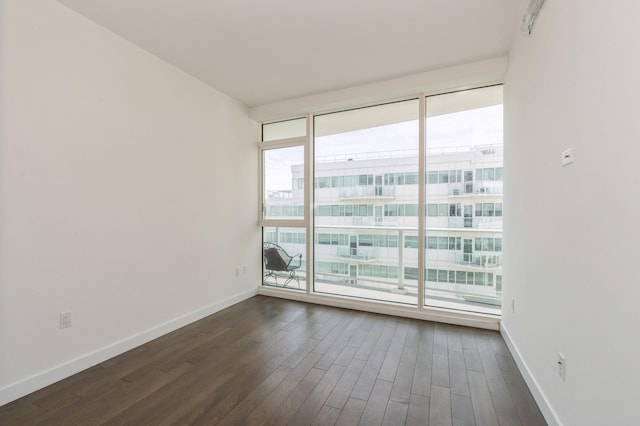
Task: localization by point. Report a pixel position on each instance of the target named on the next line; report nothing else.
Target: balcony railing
(358, 253)
(476, 188)
(493, 223)
(367, 192)
(479, 260)
(279, 194)
(389, 267)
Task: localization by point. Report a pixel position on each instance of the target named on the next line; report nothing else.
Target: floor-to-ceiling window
(399, 202)
(284, 230)
(365, 195)
(464, 172)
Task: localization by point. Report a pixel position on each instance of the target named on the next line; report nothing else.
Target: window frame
(295, 222)
(453, 175)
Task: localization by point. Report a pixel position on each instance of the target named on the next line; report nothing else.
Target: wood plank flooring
(276, 362)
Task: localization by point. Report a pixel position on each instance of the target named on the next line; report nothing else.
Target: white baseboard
(45, 378)
(545, 407)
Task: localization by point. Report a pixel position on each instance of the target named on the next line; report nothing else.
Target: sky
(481, 126)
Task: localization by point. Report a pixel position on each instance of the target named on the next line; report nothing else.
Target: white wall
(487, 72)
(127, 195)
(571, 234)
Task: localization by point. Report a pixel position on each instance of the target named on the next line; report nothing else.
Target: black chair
(277, 260)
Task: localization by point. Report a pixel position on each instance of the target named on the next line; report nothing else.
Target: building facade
(366, 223)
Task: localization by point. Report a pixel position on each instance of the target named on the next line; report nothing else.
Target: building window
(432, 243)
(365, 240)
(411, 178)
(293, 237)
(443, 243)
(489, 174)
(323, 182)
(411, 210)
(488, 244)
(410, 241)
(279, 185)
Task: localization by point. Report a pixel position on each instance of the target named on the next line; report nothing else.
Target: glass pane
(464, 138)
(373, 151)
(284, 257)
(284, 183)
(284, 129)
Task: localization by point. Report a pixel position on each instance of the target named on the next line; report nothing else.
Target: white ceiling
(266, 51)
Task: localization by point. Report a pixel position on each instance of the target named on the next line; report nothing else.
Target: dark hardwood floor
(273, 361)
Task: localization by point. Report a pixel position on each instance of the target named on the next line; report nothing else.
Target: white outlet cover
(567, 157)
(562, 366)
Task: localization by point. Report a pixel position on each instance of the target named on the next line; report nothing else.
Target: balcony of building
(482, 261)
(475, 189)
(456, 297)
(279, 195)
(386, 268)
(368, 192)
(479, 223)
(358, 254)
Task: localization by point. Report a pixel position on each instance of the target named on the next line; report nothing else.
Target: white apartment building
(366, 223)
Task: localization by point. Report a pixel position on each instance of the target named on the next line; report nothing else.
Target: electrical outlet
(513, 305)
(65, 320)
(237, 271)
(562, 367)
(567, 157)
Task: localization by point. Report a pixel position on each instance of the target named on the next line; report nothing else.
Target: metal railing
(479, 260)
(479, 223)
(475, 188)
(358, 253)
(368, 192)
(395, 253)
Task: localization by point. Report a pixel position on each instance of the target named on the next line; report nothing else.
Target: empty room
(343, 212)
